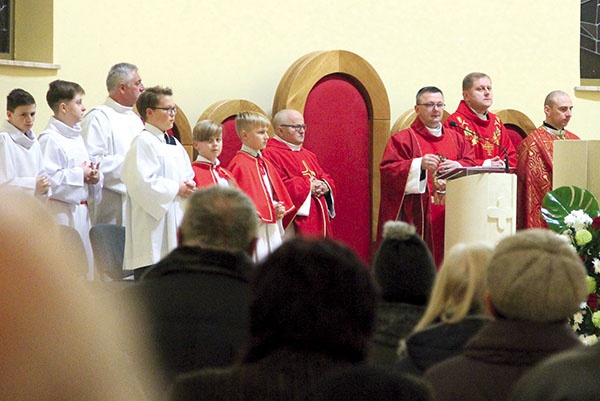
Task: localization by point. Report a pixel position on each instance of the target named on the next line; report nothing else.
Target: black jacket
(437, 343)
(395, 321)
(496, 357)
(196, 304)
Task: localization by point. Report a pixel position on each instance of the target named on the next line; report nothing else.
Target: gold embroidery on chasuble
(307, 171)
(467, 131)
(485, 145)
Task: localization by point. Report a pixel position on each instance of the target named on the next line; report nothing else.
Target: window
(589, 47)
(6, 28)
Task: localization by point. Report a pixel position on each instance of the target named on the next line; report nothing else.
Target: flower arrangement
(573, 212)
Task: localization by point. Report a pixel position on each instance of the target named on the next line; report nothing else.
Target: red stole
(296, 169)
(534, 170)
(205, 174)
(492, 129)
(246, 170)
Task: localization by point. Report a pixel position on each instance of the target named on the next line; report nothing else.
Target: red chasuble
(296, 169)
(246, 170)
(492, 129)
(417, 209)
(534, 170)
(205, 174)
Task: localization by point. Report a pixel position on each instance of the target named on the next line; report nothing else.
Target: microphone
(504, 151)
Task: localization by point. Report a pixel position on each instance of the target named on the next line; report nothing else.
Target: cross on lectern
(501, 212)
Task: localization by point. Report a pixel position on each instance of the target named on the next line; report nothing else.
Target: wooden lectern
(577, 163)
(480, 205)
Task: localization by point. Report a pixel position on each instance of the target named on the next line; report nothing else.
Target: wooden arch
(517, 124)
(222, 111)
(183, 131)
(516, 118)
(308, 70)
(407, 118)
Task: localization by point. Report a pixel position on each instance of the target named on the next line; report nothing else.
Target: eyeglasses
(170, 110)
(297, 127)
(431, 106)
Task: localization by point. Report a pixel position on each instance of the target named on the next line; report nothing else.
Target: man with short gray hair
(196, 298)
(108, 131)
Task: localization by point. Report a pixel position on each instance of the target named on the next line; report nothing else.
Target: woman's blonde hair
(459, 284)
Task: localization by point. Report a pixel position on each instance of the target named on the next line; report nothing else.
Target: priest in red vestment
(473, 116)
(534, 167)
(311, 188)
(411, 161)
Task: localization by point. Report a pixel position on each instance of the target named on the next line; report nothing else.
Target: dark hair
(61, 91)
(312, 295)
(18, 97)
(150, 97)
(427, 89)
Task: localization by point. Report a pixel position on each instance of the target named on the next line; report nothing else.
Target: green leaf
(557, 204)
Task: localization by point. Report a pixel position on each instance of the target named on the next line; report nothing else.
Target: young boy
(21, 161)
(208, 141)
(259, 179)
(158, 175)
(74, 178)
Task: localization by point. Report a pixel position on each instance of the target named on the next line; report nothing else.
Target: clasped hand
(433, 163)
(91, 174)
(318, 187)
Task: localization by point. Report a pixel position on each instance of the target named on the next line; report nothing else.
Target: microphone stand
(504, 151)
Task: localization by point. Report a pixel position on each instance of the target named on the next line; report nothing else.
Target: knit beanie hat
(404, 267)
(536, 275)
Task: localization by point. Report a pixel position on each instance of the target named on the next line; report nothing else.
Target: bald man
(310, 187)
(534, 167)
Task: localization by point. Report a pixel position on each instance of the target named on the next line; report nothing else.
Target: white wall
(212, 50)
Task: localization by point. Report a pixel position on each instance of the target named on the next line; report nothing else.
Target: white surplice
(152, 171)
(64, 153)
(108, 131)
(21, 160)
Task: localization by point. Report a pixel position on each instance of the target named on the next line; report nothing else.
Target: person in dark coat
(455, 312)
(405, 270)
(568, 376)
(534, 282)
(196, 299)
(370, 383)
(312, 312)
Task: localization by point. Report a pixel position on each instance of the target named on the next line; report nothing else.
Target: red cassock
(491, 129)
(534, 171)
(417, 209)
(296, 169)
(246, 170)
(205, 174)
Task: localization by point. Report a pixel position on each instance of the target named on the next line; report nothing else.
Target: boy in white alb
(158, 175)
(74, 178)
(21, 161)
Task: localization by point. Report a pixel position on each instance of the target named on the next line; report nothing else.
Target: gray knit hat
(403, 266)
(536, 275)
